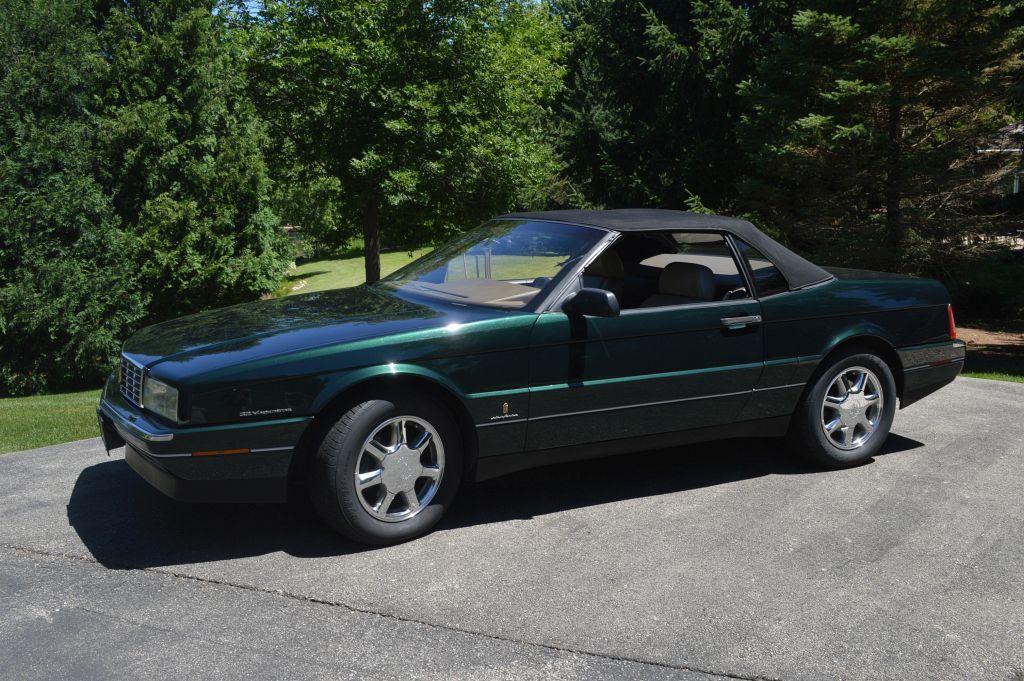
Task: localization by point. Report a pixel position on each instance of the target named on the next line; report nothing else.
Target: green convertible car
(534, 339)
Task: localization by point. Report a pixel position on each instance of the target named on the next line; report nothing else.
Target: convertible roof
(798, 271)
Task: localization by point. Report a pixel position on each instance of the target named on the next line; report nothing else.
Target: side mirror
(592, 302)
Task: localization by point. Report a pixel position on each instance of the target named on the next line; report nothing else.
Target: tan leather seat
(607, 273)
(681, 283)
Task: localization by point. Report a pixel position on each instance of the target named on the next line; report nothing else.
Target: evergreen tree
(68, 294)
(651, 107)
(865, 121)
(184, 156)
(132, 181)
(429, 116)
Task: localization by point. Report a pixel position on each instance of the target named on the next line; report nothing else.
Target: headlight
(160, 398)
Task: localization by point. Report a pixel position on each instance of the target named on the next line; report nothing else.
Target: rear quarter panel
(802, 327)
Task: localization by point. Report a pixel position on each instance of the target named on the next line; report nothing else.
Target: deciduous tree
(430, 116)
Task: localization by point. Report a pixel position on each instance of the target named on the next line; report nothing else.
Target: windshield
(504, 263)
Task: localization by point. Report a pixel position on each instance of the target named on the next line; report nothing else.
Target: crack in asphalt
(184, 634)
(392, 616)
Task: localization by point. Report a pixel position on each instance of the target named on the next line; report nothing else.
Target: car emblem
(506, 413)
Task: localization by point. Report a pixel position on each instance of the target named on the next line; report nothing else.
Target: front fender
(346, 380)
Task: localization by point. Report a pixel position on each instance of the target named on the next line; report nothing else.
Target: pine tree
(67, 291)
(651, 106)
(864, 124)
(184, 156)
(132, 181)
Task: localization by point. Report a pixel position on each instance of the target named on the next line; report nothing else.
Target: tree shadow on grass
(292, 278)
(126, 524)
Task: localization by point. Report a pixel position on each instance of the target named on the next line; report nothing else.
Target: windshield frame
(539, 302)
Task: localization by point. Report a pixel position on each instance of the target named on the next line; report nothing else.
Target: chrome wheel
(852, 408)
(399, 468)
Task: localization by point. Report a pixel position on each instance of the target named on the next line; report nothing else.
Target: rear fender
(863, 333)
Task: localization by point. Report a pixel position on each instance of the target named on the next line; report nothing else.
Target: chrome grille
(131, 378)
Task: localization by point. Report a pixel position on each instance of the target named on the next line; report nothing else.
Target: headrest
(687, 279)
(607, 265)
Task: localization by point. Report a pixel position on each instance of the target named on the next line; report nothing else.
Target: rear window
(768, 280)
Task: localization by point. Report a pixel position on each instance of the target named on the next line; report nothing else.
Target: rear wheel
(388, 469)
(846, 414)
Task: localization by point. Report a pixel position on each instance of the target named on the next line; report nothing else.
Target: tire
(849, 443)
(363, 441)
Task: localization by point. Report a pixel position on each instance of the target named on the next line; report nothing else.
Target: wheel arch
(868, 340)
(349, 390)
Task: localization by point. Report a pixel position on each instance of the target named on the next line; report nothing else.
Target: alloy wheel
(852, 408)
(399, 468)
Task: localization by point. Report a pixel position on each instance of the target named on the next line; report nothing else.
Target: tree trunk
(371, 238)
(894, 227)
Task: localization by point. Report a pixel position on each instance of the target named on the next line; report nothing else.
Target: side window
(767, 278)
(660, 269)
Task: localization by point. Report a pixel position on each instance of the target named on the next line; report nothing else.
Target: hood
(270, 327)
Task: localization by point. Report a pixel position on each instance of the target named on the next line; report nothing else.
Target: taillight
(952, 324)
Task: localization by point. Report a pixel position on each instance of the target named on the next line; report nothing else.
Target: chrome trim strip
(252, 451)
(642, 377)
(147, 435)
(141, 432)
(779, 387)
(636, 406)
(641, 404)
(501, 422)
(933, 365)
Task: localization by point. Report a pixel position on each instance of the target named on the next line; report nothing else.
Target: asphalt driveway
(725, 560)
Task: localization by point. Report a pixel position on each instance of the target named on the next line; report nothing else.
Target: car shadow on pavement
(126, 524)
(647, 474)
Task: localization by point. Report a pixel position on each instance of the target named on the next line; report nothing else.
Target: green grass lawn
(322, 275)
(996, 376)
(29, 422)
(505, 267)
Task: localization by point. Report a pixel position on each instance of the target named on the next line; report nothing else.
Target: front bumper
(926, 368)
(166, 456)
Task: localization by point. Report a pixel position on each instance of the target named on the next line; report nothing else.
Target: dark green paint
(567, 381)
(673, 356)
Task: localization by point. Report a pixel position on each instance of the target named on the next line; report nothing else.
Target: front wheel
(388, 469)
(846, 414)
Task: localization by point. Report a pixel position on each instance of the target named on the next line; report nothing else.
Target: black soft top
(799, 272)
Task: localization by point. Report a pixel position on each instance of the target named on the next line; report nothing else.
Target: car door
(655, 368)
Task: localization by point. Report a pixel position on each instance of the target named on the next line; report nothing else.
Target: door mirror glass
(591, 302)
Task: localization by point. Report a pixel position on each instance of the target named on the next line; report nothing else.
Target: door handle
(740, 322)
